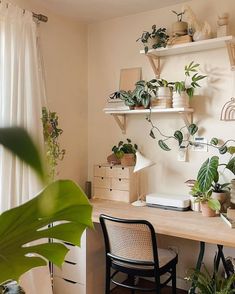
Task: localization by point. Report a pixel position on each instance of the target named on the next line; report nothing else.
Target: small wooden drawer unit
(114, 182)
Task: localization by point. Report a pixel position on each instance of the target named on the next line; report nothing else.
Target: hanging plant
(51, 134)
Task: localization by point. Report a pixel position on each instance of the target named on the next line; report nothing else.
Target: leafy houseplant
(158, 37)
(207, 283)
(59, 201)
(163, 97)
(190, 83)
(51, 134)
(138, 98)
(125, 152)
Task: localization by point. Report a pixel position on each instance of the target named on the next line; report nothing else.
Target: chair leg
(107, 279)
(174, 279)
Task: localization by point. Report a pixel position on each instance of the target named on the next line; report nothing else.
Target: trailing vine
(51, 134)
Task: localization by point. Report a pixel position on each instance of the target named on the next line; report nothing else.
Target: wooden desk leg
(220, 255)
(198, 266)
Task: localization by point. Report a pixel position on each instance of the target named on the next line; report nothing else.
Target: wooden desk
(188, 224)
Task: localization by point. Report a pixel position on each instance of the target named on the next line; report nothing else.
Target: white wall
(64, 49)
(112, 46)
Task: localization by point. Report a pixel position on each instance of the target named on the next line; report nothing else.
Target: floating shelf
(210, 44)
(120, 115)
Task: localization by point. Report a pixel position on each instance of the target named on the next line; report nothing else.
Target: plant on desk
(125, 152)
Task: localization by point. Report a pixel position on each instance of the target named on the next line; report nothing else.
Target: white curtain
(21, 97)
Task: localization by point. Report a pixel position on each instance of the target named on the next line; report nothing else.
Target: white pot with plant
(125, 152)
(163, 98)
(157, 38)
(184, 90)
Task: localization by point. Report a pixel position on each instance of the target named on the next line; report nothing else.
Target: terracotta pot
(112, 159)
(139, 107)
(206, 210)
(128, 160)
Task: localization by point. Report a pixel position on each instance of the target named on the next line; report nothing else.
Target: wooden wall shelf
(228, 42)
(120, 115)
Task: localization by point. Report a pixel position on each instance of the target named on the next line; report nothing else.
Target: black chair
(131, 248)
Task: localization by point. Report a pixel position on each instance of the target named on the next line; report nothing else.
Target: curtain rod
(40, 17)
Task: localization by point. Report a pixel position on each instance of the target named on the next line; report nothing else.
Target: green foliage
(186, 85)
(179, 136)
(179, 15)
(11, 287)
(231, 165)
(159, 36)
(51, 134)
(214, 141)
(163, 145)
(213, 283)
(60, 201)
(18, 141)
(192, 129)
(124, 148)
(140, 96)
(208, 173)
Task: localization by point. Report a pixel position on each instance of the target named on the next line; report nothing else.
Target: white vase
(180, 100)
(163, 98)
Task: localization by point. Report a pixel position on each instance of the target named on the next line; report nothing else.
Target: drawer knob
(119, 180)
(102, 178)
(110, 189)
(123, 168)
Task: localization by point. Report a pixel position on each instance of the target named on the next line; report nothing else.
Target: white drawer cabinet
(114, 182)
(83, 271)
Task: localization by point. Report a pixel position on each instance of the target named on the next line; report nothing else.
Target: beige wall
(112, 46)
(64, 50)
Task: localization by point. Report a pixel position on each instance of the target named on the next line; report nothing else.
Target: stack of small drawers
(114, 182)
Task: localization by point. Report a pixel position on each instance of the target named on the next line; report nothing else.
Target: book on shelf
(115, 105)
(230, 222)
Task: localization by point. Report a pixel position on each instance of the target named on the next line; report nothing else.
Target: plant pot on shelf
(128, 159)
(163, 98)
(140, 107)
(112, 159)
(180, 28)
(206, 210)
(180, 100)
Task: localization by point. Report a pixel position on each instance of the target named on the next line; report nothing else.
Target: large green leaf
(208, 173)
(231, 165)
(60, 201)
(19, 143)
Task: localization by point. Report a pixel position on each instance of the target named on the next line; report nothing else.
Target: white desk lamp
(141, 163)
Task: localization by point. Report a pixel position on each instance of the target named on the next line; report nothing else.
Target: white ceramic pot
(180, 100)
(195, 206)
(163, 98)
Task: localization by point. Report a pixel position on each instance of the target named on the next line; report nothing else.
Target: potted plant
(125, 152)
(163, 97)
(207, 203)
(140, 97)
(157, 38)
(213, 283)
(221, 193)
(179, 28)
(183, 90)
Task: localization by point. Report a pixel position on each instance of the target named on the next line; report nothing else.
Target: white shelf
(204, 45)
(164, 110)
(120, 115)
(154, 55)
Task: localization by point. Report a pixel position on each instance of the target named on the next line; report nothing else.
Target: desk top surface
(188, 224)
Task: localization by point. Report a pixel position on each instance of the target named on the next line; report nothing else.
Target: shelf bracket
(155, 64)
(121, 121)
(231, 54)
(187, 118)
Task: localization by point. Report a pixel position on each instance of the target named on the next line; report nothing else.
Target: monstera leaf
(208, 173)
(60, 201)
(19, 143)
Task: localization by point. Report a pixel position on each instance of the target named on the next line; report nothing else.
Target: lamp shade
(142, 162)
